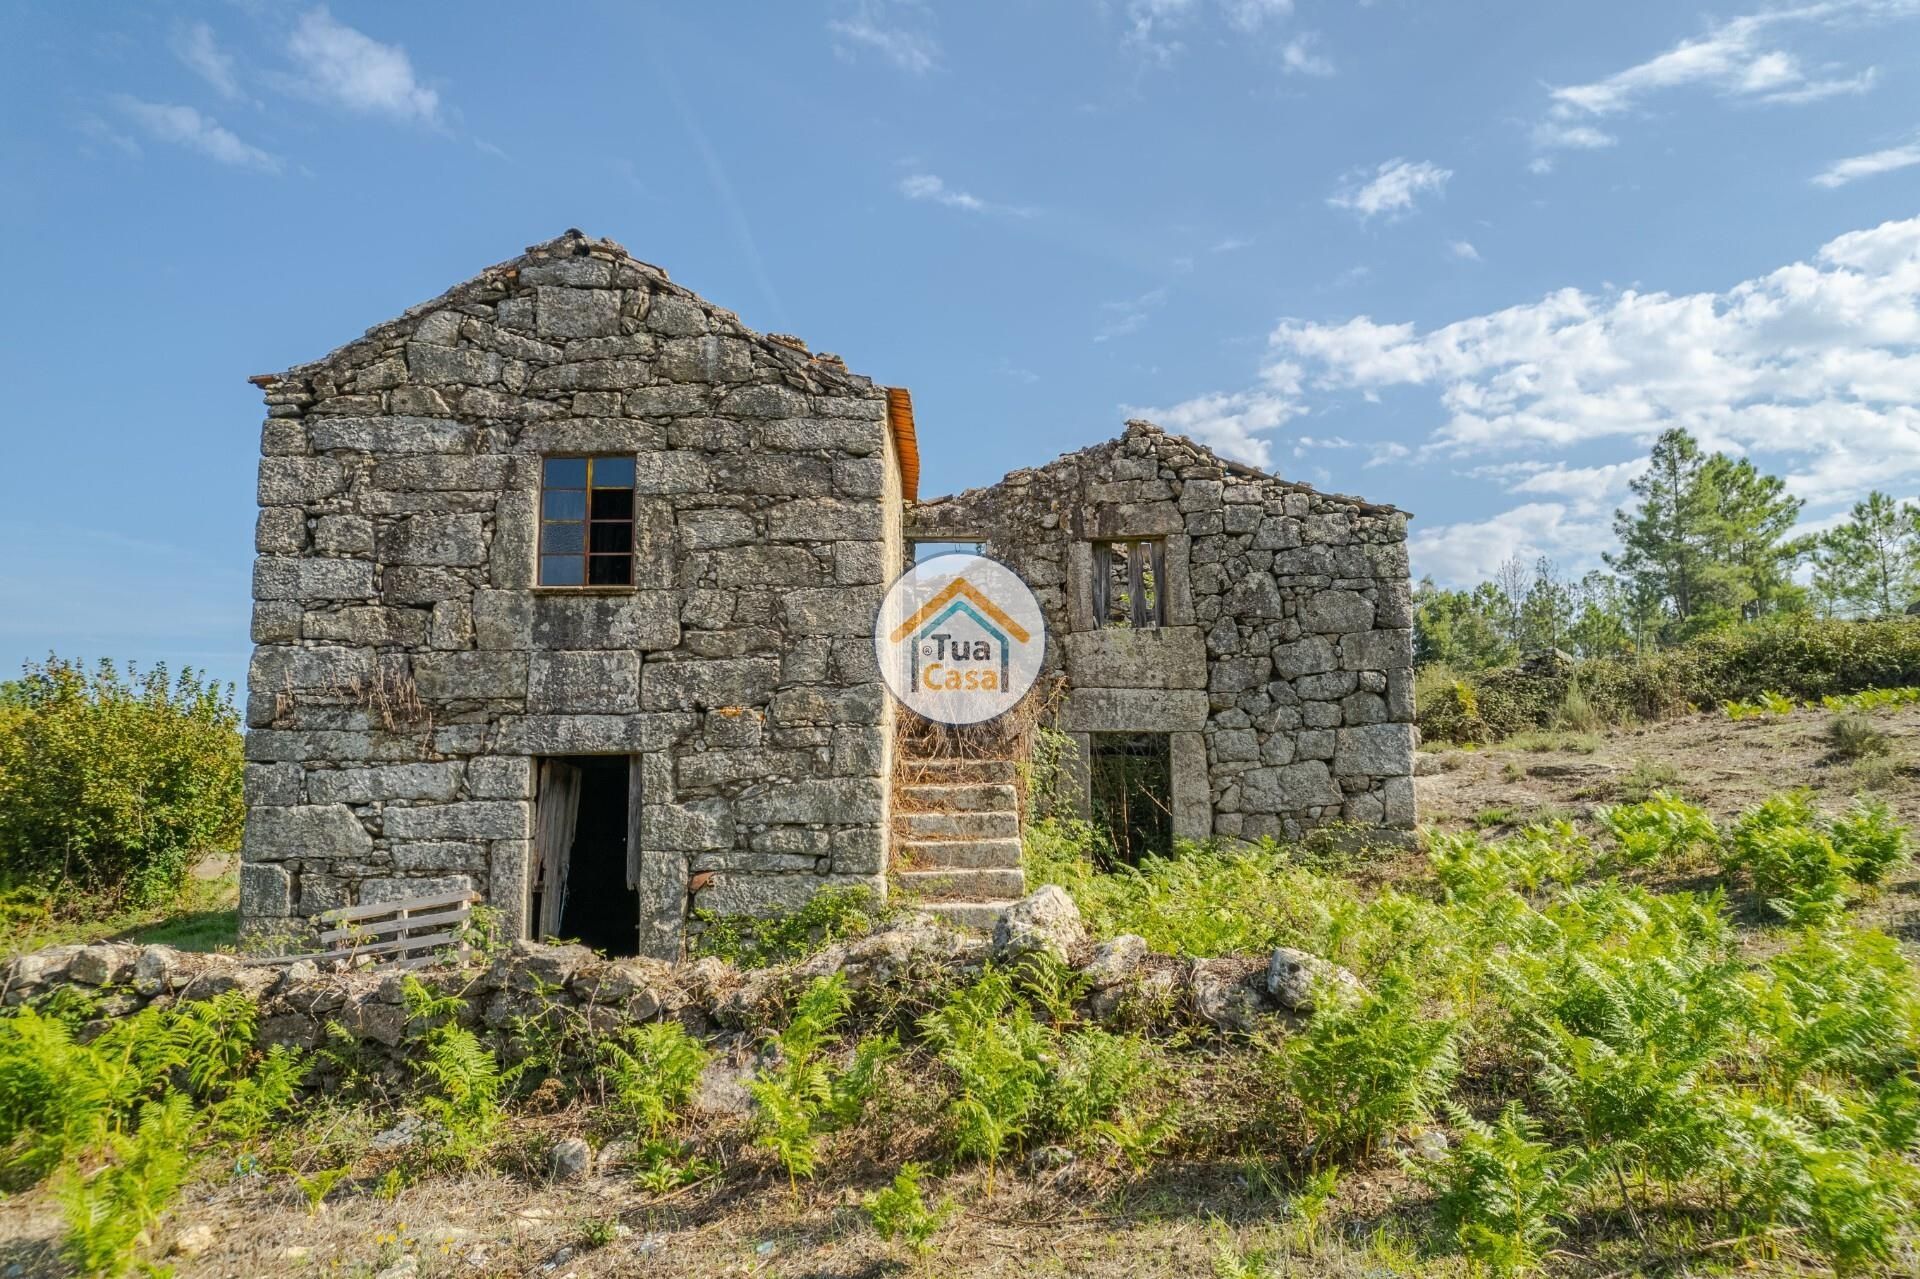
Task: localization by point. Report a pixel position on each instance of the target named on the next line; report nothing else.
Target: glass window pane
(561, 570)
(613, 504)
(566, 472)
(564, 504)
(613, 472)
(562, 537)
(610, 570)
(617, 536)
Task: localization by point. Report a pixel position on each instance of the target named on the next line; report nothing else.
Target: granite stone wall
(408, 671)
(1284, 671)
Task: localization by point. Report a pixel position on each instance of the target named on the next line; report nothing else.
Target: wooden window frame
(586, 523)
(1144, 555)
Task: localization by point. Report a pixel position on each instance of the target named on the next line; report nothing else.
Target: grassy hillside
(1630, 1010)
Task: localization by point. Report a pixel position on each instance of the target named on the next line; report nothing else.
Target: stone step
(958, 854)
(972, 885)
(959, 797)
(914, 825)
(953, 769)
(977, 915)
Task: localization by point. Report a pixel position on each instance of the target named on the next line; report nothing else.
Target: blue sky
(1466, 258)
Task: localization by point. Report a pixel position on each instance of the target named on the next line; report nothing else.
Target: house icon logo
(959, 638)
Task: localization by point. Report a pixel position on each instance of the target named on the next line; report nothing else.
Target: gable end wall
(407, 671)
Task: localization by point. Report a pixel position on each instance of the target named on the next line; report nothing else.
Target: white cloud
(1554, 135)
(1251, 15)
(1230, 244)
(1463, 250)
(1299, 56)
(351, 69)
(1874, 163)
(1130, 316)
(930, 187)
(196, 47)
(1393, 188)
(1155, 29)
(1819, 360)
(870, 27)
(1230, 424)
(1813, 369)
(186, 127)
(1473, 550)
(1741, 59)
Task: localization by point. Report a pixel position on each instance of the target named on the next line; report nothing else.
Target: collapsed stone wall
(409, 670)
(1123, 983)
(1284, 669)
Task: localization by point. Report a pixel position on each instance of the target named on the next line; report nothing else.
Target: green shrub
(1765, 665)
(1503, 1190)
(113, 785)
(1796, 871)
(988, 1037)
(465, 1082)
(1365, 1068)
(111, 1212)
(1474, 870)
(800, 1097)
(1855, 736)
(901, 1212)
(1870, 841)
(654, 1070)
(1849, 1203)
(756, 941)
(1841, 1001)
(1659, 830)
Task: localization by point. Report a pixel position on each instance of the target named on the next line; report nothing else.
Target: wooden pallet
(402, 934)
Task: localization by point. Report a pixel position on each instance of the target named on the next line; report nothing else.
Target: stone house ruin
(564, 589)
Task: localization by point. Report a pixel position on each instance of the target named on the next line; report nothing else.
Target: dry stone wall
(408, 671)
(1284, 669)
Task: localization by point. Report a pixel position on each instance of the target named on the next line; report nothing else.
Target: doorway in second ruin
(1131, 784)
(582, 825)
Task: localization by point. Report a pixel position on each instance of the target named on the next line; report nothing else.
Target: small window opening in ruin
(1127, 583)
(924, 551)
(582, 882)
(1132, 795)
(586, 521)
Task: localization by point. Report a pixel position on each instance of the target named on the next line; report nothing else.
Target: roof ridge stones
(577, 259)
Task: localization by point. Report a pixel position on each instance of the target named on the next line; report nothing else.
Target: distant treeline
(1709, 544)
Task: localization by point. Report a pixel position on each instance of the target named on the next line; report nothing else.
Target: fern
(1503, 1190)
(1662, 829)
(111, 1212)
(654, 1070)
(800, 1098)
(1366, 1067)
(316, 1188)
(464, 1076)
(901, 1212)
(995, 1048)
(1870, 841)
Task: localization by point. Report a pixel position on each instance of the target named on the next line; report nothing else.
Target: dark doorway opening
(1132, 799)
(580, 885)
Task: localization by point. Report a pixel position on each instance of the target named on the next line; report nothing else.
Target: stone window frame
(1145, 556)
(632, 521)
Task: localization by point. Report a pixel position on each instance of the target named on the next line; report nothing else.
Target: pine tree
(1870, 566)
(1750, 517)
(1708, 542)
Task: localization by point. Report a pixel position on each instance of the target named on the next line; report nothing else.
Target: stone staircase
(956, 838)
